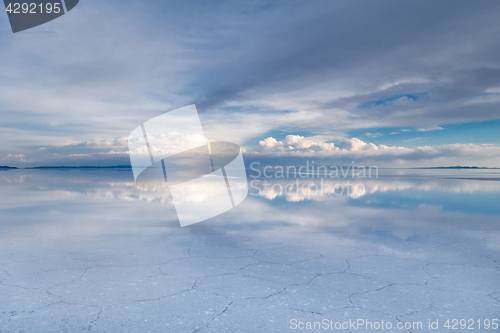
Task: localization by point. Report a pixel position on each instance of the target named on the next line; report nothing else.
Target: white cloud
(294, 144)
(105, 143)
(373, 135)
(15, 157)
(299, 146)
(437, 128)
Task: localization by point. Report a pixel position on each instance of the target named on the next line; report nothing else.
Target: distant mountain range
(456, 167)
(71, 167)
(129, 167)
(83, 167)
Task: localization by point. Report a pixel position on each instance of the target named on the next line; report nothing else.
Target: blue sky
(485, 132)
(387, 82)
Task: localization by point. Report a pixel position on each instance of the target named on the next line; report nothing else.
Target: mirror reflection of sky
(90, 246)
(468, 191)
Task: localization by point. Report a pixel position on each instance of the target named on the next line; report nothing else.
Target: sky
(391, 83)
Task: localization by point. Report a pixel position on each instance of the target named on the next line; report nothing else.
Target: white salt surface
(87, 252)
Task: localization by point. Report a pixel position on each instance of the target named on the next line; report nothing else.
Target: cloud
(438, 128)
(15, 157)
(296, 144)
(115, 152)
(373, 135)
(354, 148)
(293, 144)
(494, 90)
(251, 68)
(101, 143)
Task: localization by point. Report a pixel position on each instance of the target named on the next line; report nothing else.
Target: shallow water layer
(85, 250)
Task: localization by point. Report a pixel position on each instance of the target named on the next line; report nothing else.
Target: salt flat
(85, 251)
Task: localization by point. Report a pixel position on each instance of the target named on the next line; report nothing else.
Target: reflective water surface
(85, 250)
